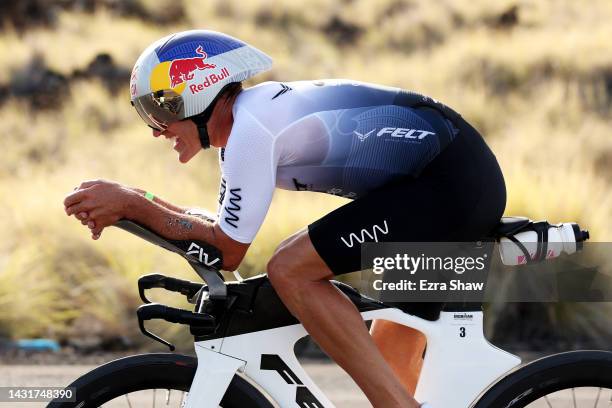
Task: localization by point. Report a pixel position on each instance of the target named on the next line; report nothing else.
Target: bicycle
(245, 337)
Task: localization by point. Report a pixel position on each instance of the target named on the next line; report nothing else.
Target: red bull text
(208, 81)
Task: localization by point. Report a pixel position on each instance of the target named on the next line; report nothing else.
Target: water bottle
(541, 241)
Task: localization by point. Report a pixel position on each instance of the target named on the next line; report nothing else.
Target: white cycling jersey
(334, 136)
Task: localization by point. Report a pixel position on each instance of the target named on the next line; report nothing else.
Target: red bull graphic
(175, 74)
(182, 69)
(208, 81)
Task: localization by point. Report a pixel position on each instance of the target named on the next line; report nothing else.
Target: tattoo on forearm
(177, 222)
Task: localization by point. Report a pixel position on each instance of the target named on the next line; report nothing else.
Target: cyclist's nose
(166, 133)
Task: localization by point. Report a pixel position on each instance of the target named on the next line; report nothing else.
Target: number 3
(462, 332)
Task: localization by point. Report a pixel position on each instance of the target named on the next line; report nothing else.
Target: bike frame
(458, 365)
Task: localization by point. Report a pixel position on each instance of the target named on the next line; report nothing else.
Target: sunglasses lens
(159, 109)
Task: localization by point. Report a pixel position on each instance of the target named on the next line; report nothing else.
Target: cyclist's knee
(282, 266)
(295, 261)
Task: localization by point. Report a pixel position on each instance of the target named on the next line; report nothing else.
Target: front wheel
(149, 379)
(573, 379)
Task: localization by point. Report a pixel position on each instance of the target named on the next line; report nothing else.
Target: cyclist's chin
(185, 155)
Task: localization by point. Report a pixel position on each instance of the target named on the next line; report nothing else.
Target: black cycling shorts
(459, 196)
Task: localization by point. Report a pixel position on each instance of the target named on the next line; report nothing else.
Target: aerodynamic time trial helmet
(181, 76)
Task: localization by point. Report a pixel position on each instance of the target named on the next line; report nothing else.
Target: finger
(89, 183)
(97, 230)
(96, 218)
(95, 237)
(82, 215)
(74, 198)
(83, 206)
(96, 213)
(103, 221)
(84, 222)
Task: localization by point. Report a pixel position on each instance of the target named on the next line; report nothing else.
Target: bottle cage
(541, 228)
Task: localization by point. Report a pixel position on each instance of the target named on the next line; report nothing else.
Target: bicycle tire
(525, 384)
(152, 371)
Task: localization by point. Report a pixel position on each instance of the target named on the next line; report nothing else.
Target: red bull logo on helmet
(182, 69)
(176, 73)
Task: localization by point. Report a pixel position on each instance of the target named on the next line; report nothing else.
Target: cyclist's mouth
(175, 139)
(178, 144)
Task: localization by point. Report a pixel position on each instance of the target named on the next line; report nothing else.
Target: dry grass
(537, 91)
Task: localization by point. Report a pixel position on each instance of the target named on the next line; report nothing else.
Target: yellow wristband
(149, 196)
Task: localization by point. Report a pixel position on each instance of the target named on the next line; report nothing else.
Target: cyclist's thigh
(296, 258)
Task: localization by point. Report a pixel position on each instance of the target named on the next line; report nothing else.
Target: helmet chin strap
(204, 139)
(200, 122)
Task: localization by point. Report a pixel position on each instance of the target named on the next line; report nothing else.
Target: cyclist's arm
(162, 202)
(181, 226)
(199, 212)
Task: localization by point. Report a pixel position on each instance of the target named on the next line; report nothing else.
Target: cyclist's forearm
(163, 203)
(168, 222)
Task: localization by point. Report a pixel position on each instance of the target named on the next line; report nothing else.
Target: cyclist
(414, 169)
